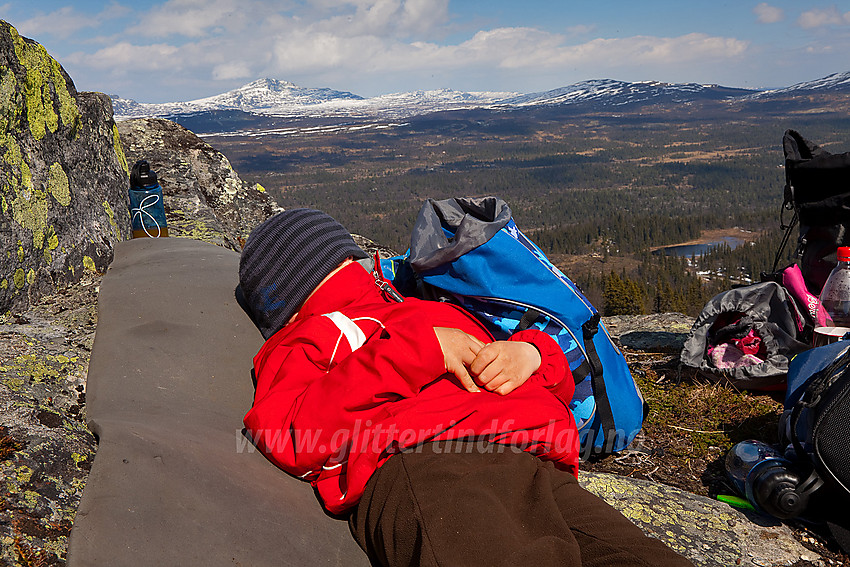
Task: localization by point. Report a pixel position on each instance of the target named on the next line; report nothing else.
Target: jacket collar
(349, 285)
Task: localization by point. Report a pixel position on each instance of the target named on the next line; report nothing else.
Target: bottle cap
(142, 176)
(844, 253)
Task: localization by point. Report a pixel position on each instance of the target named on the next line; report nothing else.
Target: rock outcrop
(63, 176)
(708, 532)
(204, 197)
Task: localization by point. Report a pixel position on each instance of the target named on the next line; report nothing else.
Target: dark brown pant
(493, 505)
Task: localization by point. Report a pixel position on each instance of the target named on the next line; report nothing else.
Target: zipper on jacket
(387, 291)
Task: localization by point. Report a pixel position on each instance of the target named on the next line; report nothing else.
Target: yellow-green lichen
(37, 368)
(88, 263)
(29, 205)
(24, 474)
(9, 100)
(44, 80)
(183, 225)
(111, 214)
(260, 188)
(119, 150)
(30, 276)
(19, 278)
(31, 498)
(51, 244)
(57, 184)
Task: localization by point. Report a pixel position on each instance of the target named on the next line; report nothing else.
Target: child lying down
(439, 445)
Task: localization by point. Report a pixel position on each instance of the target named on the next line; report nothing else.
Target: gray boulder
(62, 176)
(204, 197)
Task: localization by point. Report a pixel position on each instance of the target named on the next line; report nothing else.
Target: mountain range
(270, 97)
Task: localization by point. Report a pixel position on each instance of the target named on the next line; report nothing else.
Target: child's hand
(459, 350)
(503, 366)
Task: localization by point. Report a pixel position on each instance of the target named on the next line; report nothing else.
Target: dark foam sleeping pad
(174, 482)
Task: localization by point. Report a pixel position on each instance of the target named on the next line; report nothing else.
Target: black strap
(788, 204)
(528, 318)
(795, 439)
(580, 373)
(785, 238)
(603, 405)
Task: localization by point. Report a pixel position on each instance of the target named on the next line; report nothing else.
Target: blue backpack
(470, 252)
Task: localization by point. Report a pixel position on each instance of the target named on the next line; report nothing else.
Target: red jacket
(356, 377)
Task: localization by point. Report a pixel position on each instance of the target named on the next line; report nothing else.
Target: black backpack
(816, 425)
(817, 189)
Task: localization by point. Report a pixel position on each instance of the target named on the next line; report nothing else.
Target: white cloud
(67, 21)
(523, 47)
(503, 51)
(383, 18)
(198, 18)
(125, 58)
(767, 14)
(62, 23)
(113, 11)
(819, 17)
(372, 44)
(230, 71)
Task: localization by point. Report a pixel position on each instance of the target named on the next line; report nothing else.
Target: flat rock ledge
(708, 532)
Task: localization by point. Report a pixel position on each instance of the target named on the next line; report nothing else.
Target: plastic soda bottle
(766, 478)
(835, 299)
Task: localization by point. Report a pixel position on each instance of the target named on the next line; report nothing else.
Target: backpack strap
(603, 404)
(528, 318)
(788, 204)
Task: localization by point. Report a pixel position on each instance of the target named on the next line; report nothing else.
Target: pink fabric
(792, 279)
(728, 356)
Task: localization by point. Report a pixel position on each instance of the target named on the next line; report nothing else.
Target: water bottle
(766, 478)
(835, 299)
(147, 212)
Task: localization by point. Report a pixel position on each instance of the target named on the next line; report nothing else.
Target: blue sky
(177, 50)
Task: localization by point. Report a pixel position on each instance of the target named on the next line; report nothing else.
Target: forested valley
(600, 193)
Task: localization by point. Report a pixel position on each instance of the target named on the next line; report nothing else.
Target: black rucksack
(816, 425)
(817, 189)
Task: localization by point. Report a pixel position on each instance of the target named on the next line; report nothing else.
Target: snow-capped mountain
(263, 96)
(284, 99)
(837, 82)
(614, 93)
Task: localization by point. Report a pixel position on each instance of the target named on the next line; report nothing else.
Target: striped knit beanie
(283, 261)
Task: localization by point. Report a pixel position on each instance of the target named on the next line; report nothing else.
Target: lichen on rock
(60, 160)
(708, 532)
(45, 88)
